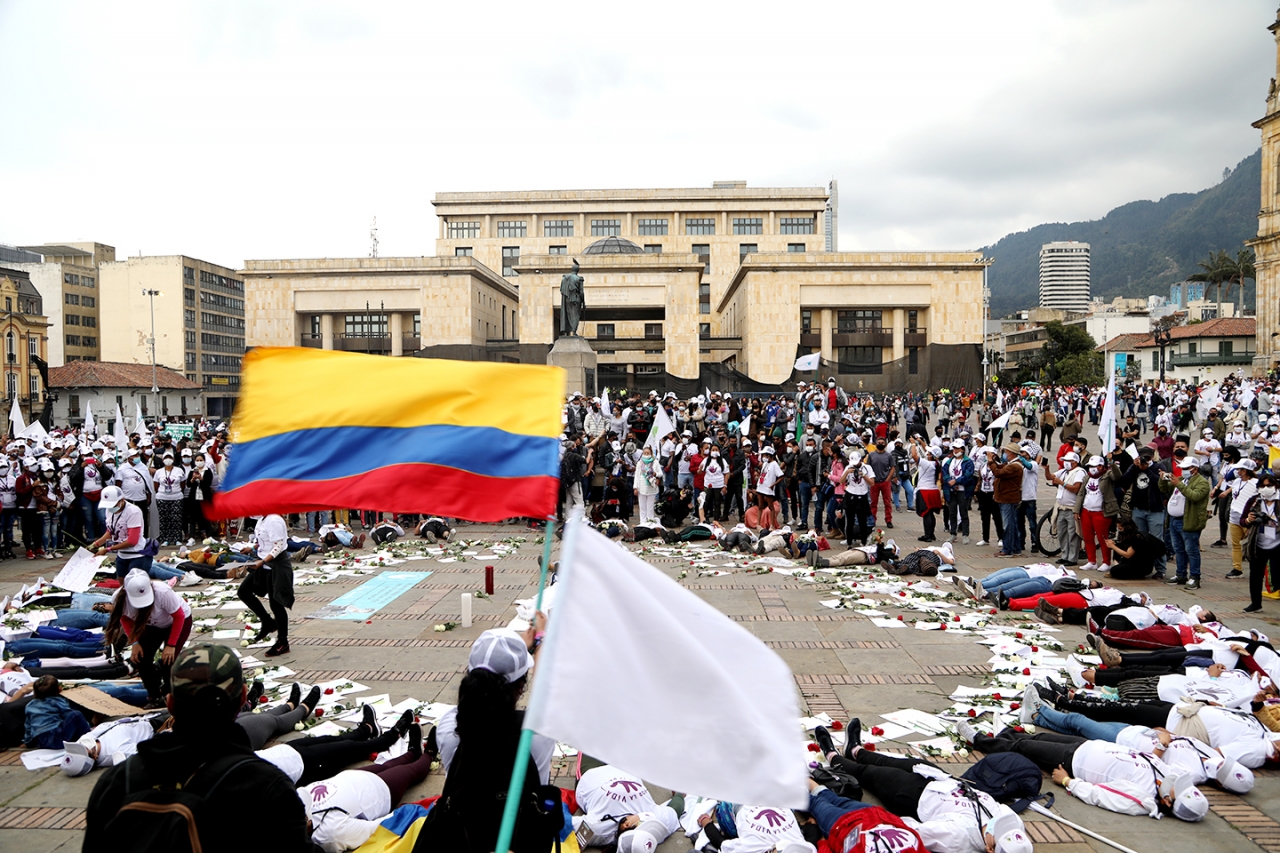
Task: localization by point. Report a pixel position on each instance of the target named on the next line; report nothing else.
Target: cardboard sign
(95, 700)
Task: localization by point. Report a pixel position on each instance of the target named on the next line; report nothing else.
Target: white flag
(139, 422)
(679, 694)
(1002, 421)
(604, 402)
(809, 362)
(15, 417)
(744, 426)
(90, 425)
(120, 433)
(662, 427)
(35, 430)
(1107, 423)
(999, 398)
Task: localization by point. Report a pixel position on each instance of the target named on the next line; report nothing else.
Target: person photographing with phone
(1260, 519)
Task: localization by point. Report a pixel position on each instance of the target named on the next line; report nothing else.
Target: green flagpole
(521, 765)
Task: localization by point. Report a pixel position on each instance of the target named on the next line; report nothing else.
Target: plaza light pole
(151, 295)
(1162, 337)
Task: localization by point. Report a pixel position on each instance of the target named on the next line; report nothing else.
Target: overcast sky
(234, 130)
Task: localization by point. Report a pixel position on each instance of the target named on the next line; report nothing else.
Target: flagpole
(521, 764)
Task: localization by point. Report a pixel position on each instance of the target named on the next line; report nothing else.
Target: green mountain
(1139, 248)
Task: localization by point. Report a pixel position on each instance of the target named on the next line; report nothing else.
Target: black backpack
(1070, 585)
(1008, 776)
(843, 783)
(170, 819)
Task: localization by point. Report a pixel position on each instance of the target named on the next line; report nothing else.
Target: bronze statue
(572, 301)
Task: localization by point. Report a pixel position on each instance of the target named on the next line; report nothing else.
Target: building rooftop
(110, 374)
(719, 192)
(1223, 327)
(59, 251)
(613, 246)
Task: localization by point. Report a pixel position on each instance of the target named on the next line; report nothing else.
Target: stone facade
(26, 333)
(68, 284)
(1267, 244)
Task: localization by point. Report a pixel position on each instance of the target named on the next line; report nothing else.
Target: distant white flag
(120, 433)
(35, 430)
(662, 427)
(604, 402)
(139, 422)
(1247, 395)
(809, 362)
(90, 425)
(999, 398)
(1002, 421)
(1107, 423)
(744, 426)
(681, 696)
(15, 417)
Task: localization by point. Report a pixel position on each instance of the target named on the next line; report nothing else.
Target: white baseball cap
(75, 764)
(1188, 803)
(137, 586)
(111, 496)
(643, 839)
(1011, 836)
(1231, 774)
(499, 650)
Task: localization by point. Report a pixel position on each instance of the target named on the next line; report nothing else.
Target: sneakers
(1047, 613)
(31, 555)
(295, 694)
(1031, 703)
(312, 699)
(1219, 544)
(1105, 567)
(401, 728)
(277, 650)
(1089, 566)
(852, 737)
(370, 719)
(415, 741)
(1194, 583)
(1070, 564)
(967, 731)
(824, 741)
(1110, 657)
(1075, 669)
(1234, 574)
(982, 543)
(1175, 581)
(964, 539)
(190, 579)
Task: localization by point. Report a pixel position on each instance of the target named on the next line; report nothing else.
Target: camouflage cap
(206, 663)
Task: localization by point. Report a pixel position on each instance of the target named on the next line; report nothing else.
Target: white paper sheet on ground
(944, 744)
(37, 759)
(234, 605)
(779, 562)
(833, 603)
(928, 626)
(328, 727)
(409, 704)
(868, 612)
(888, 623)
(278, 673)
(434, 710)
(338, 690)
(399, 748)
(811, 723)
(892, 731)
(917, 720)
(78, 574)
(205, 623)
(447, 560)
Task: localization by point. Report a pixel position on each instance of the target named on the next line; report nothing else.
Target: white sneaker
(1088, 567)
(1075, 669)
(964, 539)
(1031, 703)
(1105, 567)
(966, 730)
(190, 579)
(982, 543)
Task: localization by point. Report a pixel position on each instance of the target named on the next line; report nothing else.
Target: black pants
(857, 509)
(1049, 750)
(32, 533)
(989, 510)
(958, 513)
(711, 508)
(930, 522)
(739, 541)
(733, 501)
(1164, 657)
(327, 755)
(1113, 676)
(1263, 561)
(889, 778)
(382, 535)
(197, 526)
(1149, 714)
(277, 620)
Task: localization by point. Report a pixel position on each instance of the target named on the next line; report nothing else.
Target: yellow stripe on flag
(289, 389)
(1273, 457)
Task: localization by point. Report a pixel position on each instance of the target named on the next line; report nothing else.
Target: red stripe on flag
(413, 488)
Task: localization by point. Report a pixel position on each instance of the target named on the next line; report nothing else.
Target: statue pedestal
(576, 357)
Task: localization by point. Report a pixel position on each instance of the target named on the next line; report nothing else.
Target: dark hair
(113, 633)
(1182, 437)
(209, 708)
(486, 703)
(46, 686)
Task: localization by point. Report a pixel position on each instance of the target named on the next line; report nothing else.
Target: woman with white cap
(124, 533)
(478, 741)
(170, 482)
(617, 807)
(151, 617)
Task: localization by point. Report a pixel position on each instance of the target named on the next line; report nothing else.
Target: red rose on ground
(1014, 706)
(995, 696)
(869, 746)
(328, 691)
(942, 627)
(1026, 670)
(1018, 635)
(877, 731)
(262, 700)
(993, 611)
(1019, 729)
(900, 619)
(973, 713)
(319, 712)
(813, 747)
(837, 726)
(373, 756)
(955, 618)
(853, 584)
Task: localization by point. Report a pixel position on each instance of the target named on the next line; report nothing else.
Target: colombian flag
(319, 429)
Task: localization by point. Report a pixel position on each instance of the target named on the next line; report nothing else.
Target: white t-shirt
(1093, 494)
(1241, 491)
(117, 739)
(764, 828)
(770, 472)
(270, 536)
(169, 483)
(1238, 735)
(286, 758)
(948, 819)
(1030, 482)
(1102, 597)
(713, 473)
(8, 491)
(120, 522)
(855, 479)
(167, 603)
(13, 680)
(346, 809)
(133, 483)
(928, 474)
(1097, 761)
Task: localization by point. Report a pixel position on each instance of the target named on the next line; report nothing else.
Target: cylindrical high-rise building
(1064, 276)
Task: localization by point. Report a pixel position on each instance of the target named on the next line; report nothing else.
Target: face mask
(1267, 493)
(647, 457)
(1179, 453)
(1067, 464)
(199, 463)
(715, 454)
(958, 454)
(1095, 472)
(809, 431)
(808, 447)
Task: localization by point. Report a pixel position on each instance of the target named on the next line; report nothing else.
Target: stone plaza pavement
(843, 666)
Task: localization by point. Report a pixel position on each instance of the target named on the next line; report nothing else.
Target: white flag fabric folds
(90, 425)
(662, 427)
(641, 673)
(120, 433)
(139, 422)
(1107, 423)
(809, 362)
(15, 417)
(1002, 421)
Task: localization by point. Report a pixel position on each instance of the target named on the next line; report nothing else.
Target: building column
(899, 330)
(326, 331)
(486, 230)
(824, 330)
(397, 333)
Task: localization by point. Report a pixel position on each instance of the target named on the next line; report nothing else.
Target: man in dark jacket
(1146, 501)
(206, 747)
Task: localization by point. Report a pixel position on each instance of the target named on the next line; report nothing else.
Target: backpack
(169, 820)
(1008, 776)
(843, 783)
(1070, 585)
(873, 830)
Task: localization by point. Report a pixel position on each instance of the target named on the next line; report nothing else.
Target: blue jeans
(1027, 512)
(1014, 582)
(827, 808)
(804, 492)
(1078, 724)
(95, 520)
(684, 481)
(1009, 514)
(1152, 523)
(74, 725)
(125, 564)
(52, 529)
(86, 600)
(130, 694)
(904, 480)
(1186, 548)
(1013, 573)
(83, 619)
(7, 518)
(54, 648)
(163, 571)
(316, 520)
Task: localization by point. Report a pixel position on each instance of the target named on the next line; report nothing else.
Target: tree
(1067, 340)
(1082, 368)
(1220, 271)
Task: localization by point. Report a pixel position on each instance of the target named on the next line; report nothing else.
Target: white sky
(236, 130)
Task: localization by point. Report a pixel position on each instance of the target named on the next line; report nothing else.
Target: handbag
(1249, 547)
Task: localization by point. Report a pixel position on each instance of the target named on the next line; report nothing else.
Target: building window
(806, 322)
(365, 325)
(849, 322)
(1225, 347)
(745, 249)
(859, 359)
(164, 405)
(73, 340)
(510, 257)
(11, 385)
(182, 401)
(73, 405)
(913, 360)
(652, 227)
(91, 322)
(1155, 360)
(89, 341)
(71, 299)
(704, 299)
(648, 369)
(513, 229)
(88, 301)
(188, 317)
(748, 226)
(33, 386)
(1191, 349)
(704, 330)
(605, 330)
(462, 251)
(606, 227)
(33, 345)
(653, 248)
(189, 295)
(191, 360)
(417, 325)
(557, 250)
(796, 247)
(315, 326)
(913, 320)
(464, 230)
(653, 330)
(703, 251)
(72, 319)
(189, 338)
(188, 274)
(557, 228)
(700, 226)
(8, 303)
(797, 225)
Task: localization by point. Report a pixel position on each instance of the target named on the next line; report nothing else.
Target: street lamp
(151, 295)
(1162, 337)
